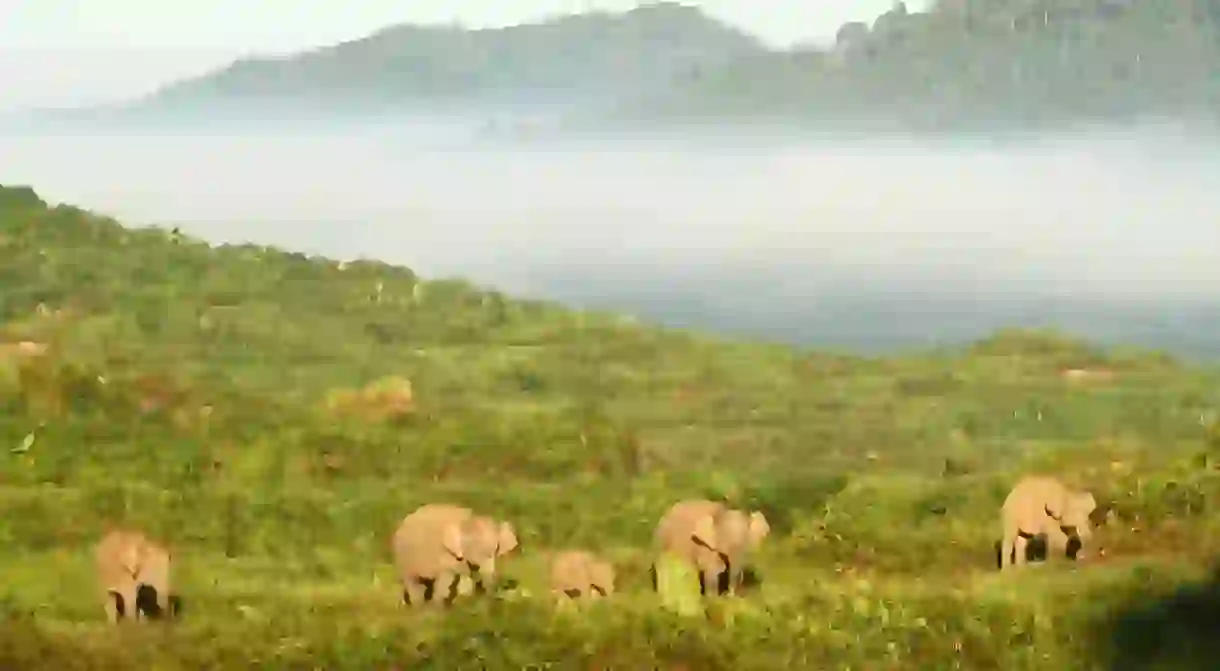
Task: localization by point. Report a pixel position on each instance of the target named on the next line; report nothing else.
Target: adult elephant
(713, 537)
(439, 543)
(134, 574)
(1038, 505)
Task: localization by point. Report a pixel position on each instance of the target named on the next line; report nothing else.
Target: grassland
(212, 396)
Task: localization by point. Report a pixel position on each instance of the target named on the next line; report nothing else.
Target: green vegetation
(249, 406)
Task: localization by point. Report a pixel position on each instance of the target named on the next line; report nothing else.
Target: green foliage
(678, 586)
(183, 389)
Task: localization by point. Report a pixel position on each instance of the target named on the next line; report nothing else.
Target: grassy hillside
(247, 405)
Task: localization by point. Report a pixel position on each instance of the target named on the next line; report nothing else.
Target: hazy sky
(66, 52)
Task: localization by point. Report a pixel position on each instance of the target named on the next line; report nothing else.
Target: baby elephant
(578, 573)
(134, 574)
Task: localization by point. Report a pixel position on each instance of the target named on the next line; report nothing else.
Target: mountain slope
(572, 60)
(976, 65)
(272, 416)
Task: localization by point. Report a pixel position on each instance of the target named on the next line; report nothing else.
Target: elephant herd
(438, 545)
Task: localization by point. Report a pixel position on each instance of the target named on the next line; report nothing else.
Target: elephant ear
(507, 539)
(704, 532)
(451, 540)
(1056, 507)
(758, 527)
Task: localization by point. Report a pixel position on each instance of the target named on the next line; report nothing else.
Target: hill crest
(572, 59)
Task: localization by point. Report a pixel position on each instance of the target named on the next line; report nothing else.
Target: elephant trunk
(484, 573)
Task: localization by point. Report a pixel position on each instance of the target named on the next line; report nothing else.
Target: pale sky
(65, 52)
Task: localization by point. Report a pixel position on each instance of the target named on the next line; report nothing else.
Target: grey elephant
(577, 573)
(439, 543)
(134, 574)
(713, 537)
(1043, 505)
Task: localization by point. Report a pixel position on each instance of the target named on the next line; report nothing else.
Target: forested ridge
(990, 63)
(958, 66)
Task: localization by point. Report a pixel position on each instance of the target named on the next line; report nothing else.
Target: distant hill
(984, 64)
(572, 60)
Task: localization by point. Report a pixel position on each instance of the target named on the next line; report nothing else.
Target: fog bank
(1114, 216)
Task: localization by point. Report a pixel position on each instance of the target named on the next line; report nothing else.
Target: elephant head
(478, 541)
(1073, 512)
(731, 533)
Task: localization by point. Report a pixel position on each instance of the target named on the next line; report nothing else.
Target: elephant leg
(1057, 542)
(710, 581)
(415, 592)
(1021, 548)
(735, 575)
(482, 584)
(1007, 552)
(115, 607)
(447, 584)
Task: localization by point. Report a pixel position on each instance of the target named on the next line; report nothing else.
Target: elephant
(716, 539)
(439, 543)
(577, 573)
(134, 571)
(1043, 505)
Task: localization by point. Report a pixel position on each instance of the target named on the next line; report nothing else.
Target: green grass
(882, 477)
